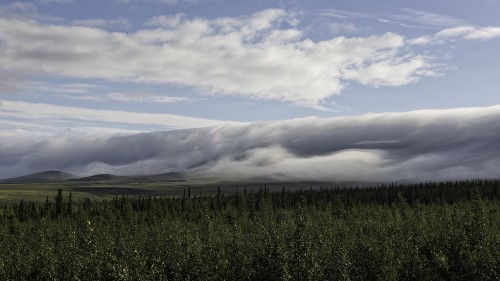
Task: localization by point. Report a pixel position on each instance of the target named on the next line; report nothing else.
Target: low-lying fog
(417, 145)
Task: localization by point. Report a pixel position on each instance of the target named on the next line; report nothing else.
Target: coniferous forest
(432, 231)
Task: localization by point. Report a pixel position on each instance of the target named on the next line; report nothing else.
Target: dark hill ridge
(166, 177)
(55, 176)
(46, 176)
(99, 177)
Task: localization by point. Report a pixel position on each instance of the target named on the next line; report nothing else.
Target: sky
(86, 70)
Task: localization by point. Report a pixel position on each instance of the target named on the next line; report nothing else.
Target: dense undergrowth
(444, 231)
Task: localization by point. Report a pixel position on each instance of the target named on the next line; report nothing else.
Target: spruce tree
(58, 199)
(70, 204)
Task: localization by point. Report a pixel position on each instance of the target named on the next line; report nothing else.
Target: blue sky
(96, 67)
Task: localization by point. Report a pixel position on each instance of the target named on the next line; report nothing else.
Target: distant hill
(46, 176)
(166, 177)
(54, 176)
(99, 177)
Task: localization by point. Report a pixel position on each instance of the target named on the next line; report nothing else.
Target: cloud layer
(418, 145)
(264, 55)
(48, 114)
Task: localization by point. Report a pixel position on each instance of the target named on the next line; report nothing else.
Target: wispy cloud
(146, 97)
(50, 114)
(84, 91)
(18, 8)
(63, 88)
(338, 14)
(118, 23)
(250, 56)
(343, 27)
(427, 19)
(430, 144)
(400, 23)
(25, 11)
(484, 33)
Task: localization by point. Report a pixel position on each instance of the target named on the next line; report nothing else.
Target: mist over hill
(425, 144)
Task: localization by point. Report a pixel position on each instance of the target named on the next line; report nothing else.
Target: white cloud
(419, 145)
(454, 32)
(459, 32)
(484, 33)
(423, 40)
(249, 56)
(49, 113)
(167, 21)
(382, 73)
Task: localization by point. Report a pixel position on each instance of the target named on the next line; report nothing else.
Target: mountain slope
(99, 177)
(45, 176)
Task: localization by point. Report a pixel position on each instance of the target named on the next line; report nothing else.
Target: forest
(426, 231)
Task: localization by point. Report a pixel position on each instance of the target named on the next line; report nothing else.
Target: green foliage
(443, 231)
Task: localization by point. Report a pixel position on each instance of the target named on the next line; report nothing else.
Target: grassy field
(37, 192)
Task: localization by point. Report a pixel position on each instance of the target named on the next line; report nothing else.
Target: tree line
(427, 231)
